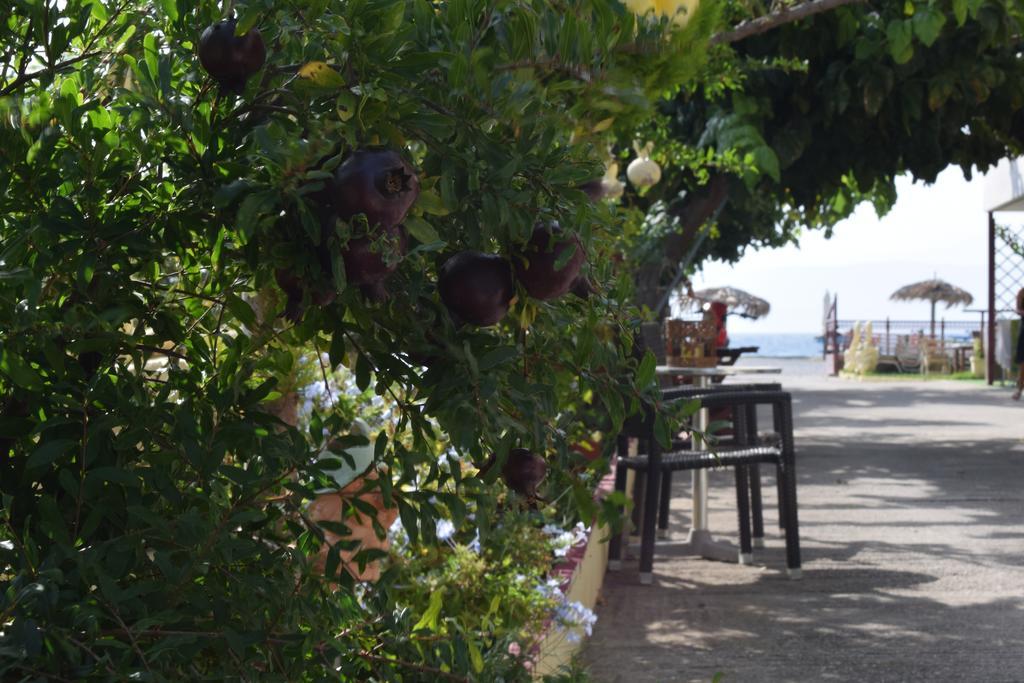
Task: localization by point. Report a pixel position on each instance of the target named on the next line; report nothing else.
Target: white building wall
(1004, 186)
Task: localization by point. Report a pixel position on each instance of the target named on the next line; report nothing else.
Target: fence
(888, 333)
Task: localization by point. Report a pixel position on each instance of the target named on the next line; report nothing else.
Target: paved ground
(912, 531)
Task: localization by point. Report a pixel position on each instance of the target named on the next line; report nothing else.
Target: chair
(730, 440)
(908, 357)
(741, 455)
(634, 427)
(933, 356)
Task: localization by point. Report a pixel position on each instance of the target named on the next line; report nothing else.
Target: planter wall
(583, 575)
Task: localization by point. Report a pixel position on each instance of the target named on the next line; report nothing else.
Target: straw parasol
(934, 290)
(738, 301)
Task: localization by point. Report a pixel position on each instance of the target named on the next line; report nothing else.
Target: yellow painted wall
(556, 652)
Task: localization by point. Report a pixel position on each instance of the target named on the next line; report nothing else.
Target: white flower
(580, 533)
(562, 540)
(551, 589)
(552, 529)
(573, 617)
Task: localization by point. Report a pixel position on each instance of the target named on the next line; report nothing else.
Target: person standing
(1019, 356)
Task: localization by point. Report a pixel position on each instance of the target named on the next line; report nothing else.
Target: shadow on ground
(912, 526)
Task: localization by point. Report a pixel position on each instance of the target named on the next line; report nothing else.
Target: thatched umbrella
(934, 290)
(738, 301)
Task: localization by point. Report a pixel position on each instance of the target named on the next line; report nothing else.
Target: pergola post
(990, 352)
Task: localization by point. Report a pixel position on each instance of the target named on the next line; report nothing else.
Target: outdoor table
(961, 356)
(699, 541)
(729, 355)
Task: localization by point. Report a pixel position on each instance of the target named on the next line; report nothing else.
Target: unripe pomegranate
(476, 288)
(231, 59)
(536, 265)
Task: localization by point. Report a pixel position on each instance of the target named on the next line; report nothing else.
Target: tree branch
(775, 19)
(24, 78)
(412, 666)
(693, 213)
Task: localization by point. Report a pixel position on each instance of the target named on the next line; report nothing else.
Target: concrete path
(911, 499)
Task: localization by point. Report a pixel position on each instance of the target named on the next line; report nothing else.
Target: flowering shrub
(496, 589)
(172, 248)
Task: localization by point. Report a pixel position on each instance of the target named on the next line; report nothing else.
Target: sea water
(779, 345)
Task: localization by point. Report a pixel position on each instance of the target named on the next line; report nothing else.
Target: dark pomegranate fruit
(292, 288)
(370, 259)
(231, 59)
(594, 190)
(582, 287)
(295, 289)
(377, 183)
(477, 288)
(536, 264)
(523, 471)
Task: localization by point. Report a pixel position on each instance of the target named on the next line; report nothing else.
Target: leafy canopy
(153, 487)
(802, 123)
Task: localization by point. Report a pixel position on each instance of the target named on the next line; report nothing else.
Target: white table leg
(700, 477)
(699, 541)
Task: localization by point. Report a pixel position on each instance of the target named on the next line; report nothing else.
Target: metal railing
(887, 334)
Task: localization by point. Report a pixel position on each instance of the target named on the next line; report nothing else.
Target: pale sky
(941, 229)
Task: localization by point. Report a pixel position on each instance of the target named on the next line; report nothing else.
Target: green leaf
(430, 202)
(347, 104)
(874, 94)
(901, 40)
(98, 10)
(960, 11)
(170, 8)
(407, 513)
(928, 25)
(241, 310)
(565, 255)
(250, 17)
(474, 655)
(363, 370)
(662, 432)
(429, 619)
(496, 357)
(421, 230)
(126, 36)
(645, 372)
(47, 452)
(20, 372)
(151, 55)
(767, 162)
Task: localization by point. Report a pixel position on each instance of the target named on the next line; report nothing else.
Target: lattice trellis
(1009, 265)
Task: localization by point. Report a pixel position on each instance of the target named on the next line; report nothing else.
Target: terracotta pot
(330, 507)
